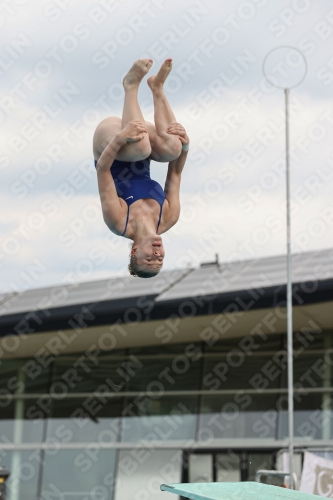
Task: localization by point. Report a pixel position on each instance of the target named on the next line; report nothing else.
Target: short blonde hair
(136, 271)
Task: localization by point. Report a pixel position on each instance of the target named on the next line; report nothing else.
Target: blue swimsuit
(133, 182)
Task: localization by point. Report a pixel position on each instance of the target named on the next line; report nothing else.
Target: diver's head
(146, 257)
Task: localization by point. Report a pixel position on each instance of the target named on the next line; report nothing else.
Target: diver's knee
(144, 147)
(167, 148)
(135, 151)
(175, 146)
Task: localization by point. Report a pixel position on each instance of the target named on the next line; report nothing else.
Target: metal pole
(276, 84)
(289, 306)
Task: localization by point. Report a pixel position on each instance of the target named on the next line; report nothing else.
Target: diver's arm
(112, 207)
(178, 164)
(172, 183)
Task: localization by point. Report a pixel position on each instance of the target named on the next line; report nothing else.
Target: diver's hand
(178, 129)
(134, 131)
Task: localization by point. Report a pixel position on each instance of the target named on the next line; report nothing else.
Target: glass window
(22, 420)
(237, 416)
(308, 371)
(180, 373)
(237, 371)
(24, 468)
(200, 468)
(84, 420)
(160, 350)
(228, 467)
(77, 474)
(310, 420)
(70, 374)
(142, 471)
(26, 375)
(270, 343)
(307, 340)
(166, 418)
(259, 461)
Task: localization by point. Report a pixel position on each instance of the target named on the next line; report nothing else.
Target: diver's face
(150, 253)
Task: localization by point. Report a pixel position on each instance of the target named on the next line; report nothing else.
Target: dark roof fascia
(245, 300)
(130, 310)
(137, 309)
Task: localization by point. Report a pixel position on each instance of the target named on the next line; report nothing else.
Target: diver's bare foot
(156, 82)
(139, 69)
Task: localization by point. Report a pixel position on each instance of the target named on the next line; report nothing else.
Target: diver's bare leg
(131, 82)
(166, 147)
(109, 128)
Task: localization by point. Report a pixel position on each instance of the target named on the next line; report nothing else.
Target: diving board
(235, 491)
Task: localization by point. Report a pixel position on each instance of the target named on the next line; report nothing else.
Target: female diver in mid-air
(134, 205)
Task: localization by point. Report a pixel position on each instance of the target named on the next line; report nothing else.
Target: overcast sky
(61, 67)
